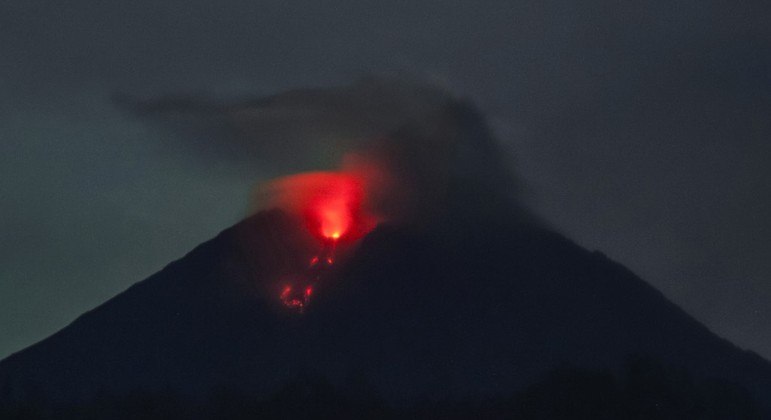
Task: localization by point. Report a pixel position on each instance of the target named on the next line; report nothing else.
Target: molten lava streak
(332, 205)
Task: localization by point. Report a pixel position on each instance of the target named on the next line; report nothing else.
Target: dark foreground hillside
(644, 390)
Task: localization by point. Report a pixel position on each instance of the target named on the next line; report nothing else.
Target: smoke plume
(422, 153)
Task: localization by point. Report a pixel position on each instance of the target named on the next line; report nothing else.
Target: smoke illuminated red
(334, 213)
(332, 203)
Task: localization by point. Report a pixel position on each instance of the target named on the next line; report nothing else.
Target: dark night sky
(640, 129)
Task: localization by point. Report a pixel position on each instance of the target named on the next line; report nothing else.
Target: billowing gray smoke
(434, 154)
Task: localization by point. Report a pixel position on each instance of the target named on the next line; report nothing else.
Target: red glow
(294, 301)
(332, 203)
(334, 208)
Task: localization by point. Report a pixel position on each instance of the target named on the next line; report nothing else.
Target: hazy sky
(640, 129)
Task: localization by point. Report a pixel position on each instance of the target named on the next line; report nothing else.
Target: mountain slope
(456, 310)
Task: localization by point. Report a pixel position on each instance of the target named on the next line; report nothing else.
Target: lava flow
(298, 294)
(332, 206)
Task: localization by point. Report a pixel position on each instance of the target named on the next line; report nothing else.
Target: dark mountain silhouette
(452, 312)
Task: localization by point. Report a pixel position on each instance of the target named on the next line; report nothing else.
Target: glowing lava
(297, 295)
(295, 298)
(332, 205)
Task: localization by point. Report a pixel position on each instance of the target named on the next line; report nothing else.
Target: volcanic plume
(389, 151)
(419, 147)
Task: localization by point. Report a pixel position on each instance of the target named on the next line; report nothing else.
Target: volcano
(448, 301)
(446, 312)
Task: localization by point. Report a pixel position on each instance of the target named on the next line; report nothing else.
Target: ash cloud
(433, 154)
